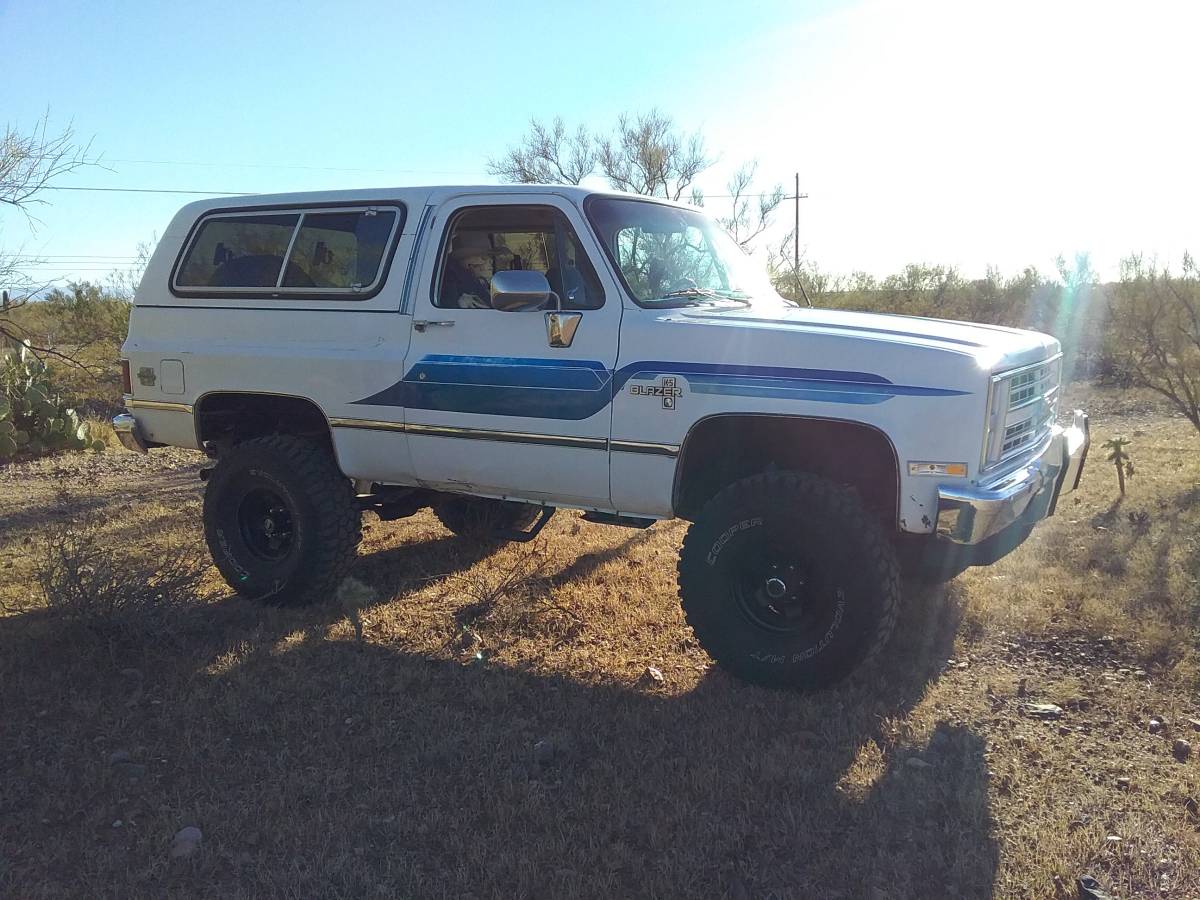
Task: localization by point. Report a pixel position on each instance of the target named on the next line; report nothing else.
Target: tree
(1154, 331)
(747, 219)
(548, 155)
(648, 155)
(85, 313)
(29, 162)
(123, 283)
(645, 154)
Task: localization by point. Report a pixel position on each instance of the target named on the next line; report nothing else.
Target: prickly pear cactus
(33, 419)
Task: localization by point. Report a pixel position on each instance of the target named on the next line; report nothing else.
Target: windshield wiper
(706, 293)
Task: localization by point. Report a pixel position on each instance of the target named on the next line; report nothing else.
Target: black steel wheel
(281, 520)
(265, 523)
(788, 581)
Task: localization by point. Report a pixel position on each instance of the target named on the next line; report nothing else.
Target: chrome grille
(1024, 404)
(1033, 384)
(1017, 435)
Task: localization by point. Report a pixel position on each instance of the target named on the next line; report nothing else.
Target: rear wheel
(281, 520)
(480, 519)
(787, 580)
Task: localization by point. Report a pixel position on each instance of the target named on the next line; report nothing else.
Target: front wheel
(281, 520)
(788, 581)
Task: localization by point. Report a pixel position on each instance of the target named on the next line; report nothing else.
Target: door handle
(422, 324)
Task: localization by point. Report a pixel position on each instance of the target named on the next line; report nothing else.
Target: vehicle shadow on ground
(326, 767)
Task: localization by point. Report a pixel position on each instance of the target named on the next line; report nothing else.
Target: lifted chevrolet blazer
(498, 353)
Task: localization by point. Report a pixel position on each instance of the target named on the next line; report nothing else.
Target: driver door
(512, 403)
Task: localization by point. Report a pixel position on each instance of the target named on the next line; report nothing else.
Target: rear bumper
(971, 516)
(129, 434)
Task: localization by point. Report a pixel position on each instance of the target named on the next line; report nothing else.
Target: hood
(993, 347)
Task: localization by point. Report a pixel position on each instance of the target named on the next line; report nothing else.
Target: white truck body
(923, 383)
(635, 403)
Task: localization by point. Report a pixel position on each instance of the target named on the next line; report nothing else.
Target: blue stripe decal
(578, 389)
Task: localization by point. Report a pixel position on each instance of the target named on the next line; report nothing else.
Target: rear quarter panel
(332, 352)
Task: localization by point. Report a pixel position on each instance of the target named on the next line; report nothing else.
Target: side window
(339, 249)
(328, 251)
(238, 251)
(482, 241)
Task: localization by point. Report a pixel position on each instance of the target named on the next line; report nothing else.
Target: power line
(117, 190)
(218, 165)
(764, 194)
(101, 161)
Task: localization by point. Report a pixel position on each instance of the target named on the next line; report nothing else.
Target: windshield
(671, 256)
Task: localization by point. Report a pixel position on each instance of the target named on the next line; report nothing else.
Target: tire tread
(795, 487)
(339, 521)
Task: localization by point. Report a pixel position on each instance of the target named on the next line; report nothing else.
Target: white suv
(498, 353)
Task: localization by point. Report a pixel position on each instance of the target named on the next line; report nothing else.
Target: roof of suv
(432, 193)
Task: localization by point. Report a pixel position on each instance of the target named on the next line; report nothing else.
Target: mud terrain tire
(788, 581)
(281, 521)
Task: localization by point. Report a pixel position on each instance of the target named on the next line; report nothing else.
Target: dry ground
(475, 725)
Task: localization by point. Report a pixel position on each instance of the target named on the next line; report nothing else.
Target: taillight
(126, 380)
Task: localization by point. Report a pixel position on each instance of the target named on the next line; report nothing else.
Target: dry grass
(1126, 567)
(462, 723)
(88, 582)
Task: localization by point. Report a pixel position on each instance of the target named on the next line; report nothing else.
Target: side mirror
(521, 291)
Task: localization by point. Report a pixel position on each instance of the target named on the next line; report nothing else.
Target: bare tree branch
(30, 161)
(744, 222)
(645, 154)
(547, 155)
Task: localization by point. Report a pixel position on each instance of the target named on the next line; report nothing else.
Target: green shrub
(34, 420)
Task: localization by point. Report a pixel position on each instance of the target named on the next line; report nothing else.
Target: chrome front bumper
(971, 515)
(128, 433)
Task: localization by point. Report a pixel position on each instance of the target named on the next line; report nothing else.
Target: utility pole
(796, 242)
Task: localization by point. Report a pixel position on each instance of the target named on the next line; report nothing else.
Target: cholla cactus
(33, 419)
(1118, 456)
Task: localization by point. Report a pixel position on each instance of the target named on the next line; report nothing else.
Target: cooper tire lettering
(724, 539)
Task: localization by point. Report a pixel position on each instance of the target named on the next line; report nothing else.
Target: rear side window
(238, 251)
(305, 253)
(339, 250)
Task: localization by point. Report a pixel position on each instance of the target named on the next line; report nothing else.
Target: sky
(936, 131)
